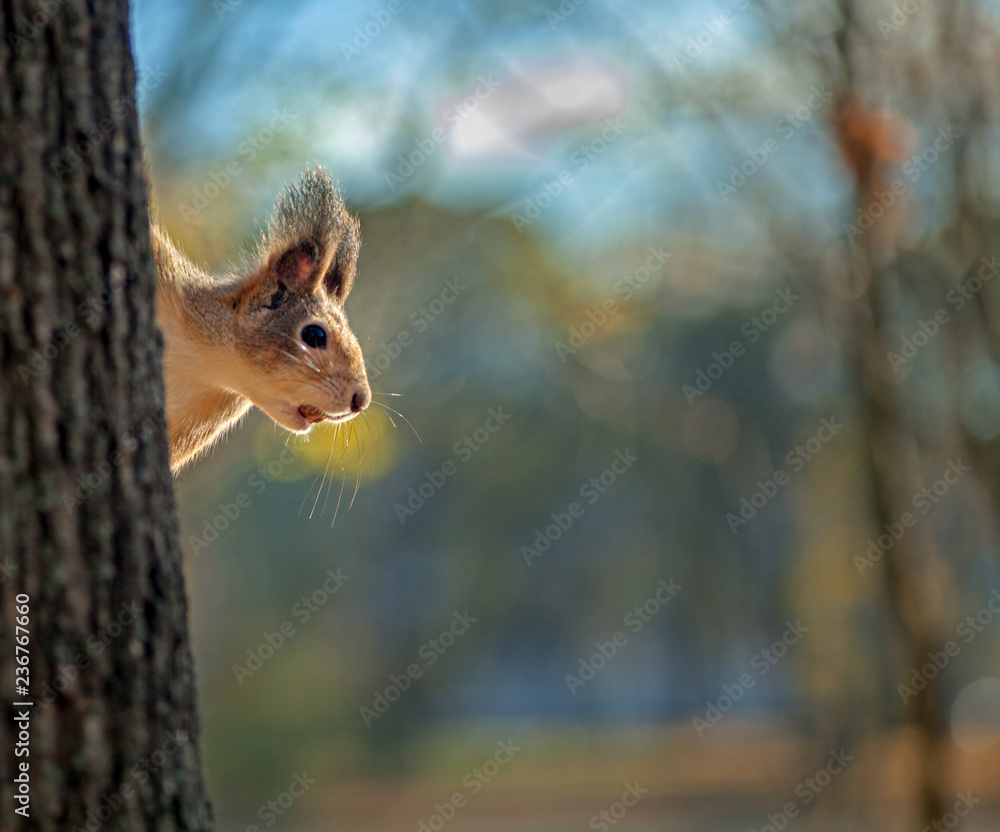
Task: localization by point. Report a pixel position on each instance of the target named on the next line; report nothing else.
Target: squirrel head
(302, 363)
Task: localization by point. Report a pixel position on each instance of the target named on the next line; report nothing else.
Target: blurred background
(678, 510)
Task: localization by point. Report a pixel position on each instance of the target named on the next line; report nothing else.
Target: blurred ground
(567, 777)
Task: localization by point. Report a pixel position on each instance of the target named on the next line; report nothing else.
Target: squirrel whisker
(336, 434)
(401, 416)
(303, 354)
(323, 473)
(357, 483)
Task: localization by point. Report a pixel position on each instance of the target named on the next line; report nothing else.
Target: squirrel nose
(361, 399)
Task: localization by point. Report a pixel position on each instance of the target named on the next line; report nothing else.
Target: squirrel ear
(338, 280)
(343, 268)
(312, 241)
(297, 266)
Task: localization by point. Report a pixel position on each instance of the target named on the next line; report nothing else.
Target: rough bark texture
(87, 525)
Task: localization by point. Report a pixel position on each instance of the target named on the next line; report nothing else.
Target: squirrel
(271, 333)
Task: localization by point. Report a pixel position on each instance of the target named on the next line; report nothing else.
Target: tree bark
(87, 525)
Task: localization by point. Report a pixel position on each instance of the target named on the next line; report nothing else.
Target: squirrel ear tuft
(296, 268)
(318, 238)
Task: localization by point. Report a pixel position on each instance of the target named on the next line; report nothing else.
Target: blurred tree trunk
(916, 578)
(87, 525)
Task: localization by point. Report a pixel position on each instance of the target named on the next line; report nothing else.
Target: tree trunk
(88, 542)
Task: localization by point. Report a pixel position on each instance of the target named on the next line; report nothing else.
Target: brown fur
(236, 341)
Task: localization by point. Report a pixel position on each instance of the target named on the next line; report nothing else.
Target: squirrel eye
(314, 336)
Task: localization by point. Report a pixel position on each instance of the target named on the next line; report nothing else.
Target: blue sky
(361, 99)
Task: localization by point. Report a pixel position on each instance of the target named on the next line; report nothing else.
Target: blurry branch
(917, 579)
(971, 228)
